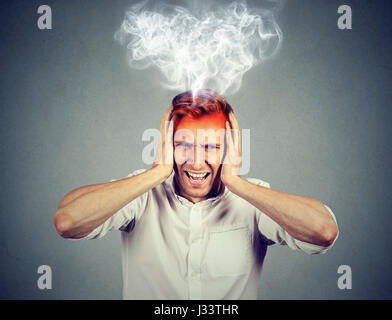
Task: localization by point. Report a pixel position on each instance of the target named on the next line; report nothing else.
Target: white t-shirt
(214, 249)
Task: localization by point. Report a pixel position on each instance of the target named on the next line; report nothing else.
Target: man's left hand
(232, 163)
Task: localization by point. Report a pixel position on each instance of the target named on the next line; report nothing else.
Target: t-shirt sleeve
(122, 219)
(273, 233)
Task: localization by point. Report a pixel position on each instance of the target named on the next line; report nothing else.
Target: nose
(199, 157)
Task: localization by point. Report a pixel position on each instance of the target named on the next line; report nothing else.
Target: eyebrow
(204, 145)
(212, 144)
(183, 141)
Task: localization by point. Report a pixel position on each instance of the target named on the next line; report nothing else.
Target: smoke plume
(207, 48)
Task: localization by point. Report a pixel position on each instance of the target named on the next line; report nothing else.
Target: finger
(229, 138)
(228, 143)
(169, 144)
(167, 113)
(233, 121)
(165, 118)
(170, 129)
(237, 131)
(230, 128)
(237, 140)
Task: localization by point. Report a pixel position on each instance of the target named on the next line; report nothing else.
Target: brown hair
(198, 103)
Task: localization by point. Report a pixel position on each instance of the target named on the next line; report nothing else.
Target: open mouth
(197, 178)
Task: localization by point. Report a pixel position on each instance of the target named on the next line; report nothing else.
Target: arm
(304, 218)
(88, 211)
(70, 196)
(86, 208)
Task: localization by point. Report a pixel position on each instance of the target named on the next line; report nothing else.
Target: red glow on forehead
(213, 121)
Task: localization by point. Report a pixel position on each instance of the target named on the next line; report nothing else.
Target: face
(198, 152)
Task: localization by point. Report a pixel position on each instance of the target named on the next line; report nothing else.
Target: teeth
(198, 175)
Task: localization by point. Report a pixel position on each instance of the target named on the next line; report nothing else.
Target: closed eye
(212, 146)
(185, 145)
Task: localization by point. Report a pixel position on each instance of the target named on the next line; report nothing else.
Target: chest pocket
(229, 251)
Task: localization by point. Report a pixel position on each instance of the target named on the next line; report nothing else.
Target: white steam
(211, 49)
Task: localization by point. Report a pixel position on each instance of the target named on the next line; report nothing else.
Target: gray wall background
(72, 113)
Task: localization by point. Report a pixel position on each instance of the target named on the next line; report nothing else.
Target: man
(199, 231)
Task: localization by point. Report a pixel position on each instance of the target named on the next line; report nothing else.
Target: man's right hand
(164, 156)
(84, 209)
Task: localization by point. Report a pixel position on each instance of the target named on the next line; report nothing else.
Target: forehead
(208, 128)
(214, 121)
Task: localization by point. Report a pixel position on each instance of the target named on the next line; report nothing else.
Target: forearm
(304, 218)
(90, 209)
(71, 196)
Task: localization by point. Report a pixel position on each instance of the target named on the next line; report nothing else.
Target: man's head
(199, 142)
